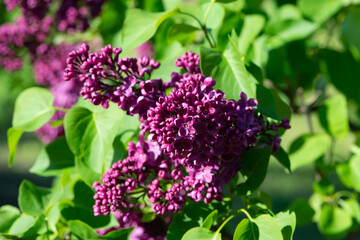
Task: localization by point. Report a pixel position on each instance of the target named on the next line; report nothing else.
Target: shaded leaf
(13, 137)
(8, 215)
(209, 220)
(283, 158)
(246, 230)
(303, 211)
(33, 200)
(254, 167)
(334, 221)
(53, 158)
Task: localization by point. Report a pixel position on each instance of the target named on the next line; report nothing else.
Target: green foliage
(254, 167)
(307, 148)
(33, 108)
(13, 136)
(135, 31)
(295, 57)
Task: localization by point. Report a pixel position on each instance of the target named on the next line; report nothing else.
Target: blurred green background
(341, 33)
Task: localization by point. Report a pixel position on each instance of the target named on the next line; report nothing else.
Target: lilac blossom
(107, 77)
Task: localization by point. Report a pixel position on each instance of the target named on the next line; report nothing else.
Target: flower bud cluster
(107, 77)
(195, 139)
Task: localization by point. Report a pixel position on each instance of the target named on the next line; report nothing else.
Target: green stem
(61, 109)
(247, 214)
(231, 217)
(208, 11)
(202, 26)
(47, 228)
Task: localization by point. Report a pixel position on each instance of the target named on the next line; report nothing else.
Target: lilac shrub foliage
(190, 141)
(33, 31)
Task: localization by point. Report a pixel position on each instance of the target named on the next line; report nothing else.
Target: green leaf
(8, 215)
(351, 22)
(225, 1)
(349, 172)
(90, 135)
(283, 158)
(23, 224)
(82, 230)
(140, 26)
(231, 75)
(352, 207)
(269, 229)
(334, 221)
(33, 108)
(307, 148)
(286, 25)
(201, 234)
(246, 230)
(33, 200)
(334, 116)
(215, 16)
(319, 10)
(112, 9)
(181, 32)
(287, 223)
(13, 136)
(324, 187)
(209, 220)
(303, 211)
(28, 227)
(254, 167)
(53, 159)
(290, 31)
(57, 123)
(343, 70)
(82, 208)
(121, 234)
(209, 59)
(264, 227)
(271, 105)
(193, 215)
(253, 24)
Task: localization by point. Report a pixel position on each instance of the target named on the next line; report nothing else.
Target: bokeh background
(340, 32)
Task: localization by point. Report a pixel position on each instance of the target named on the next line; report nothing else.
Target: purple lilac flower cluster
(74, 15)
(36, 22)
(195, 139)
(107, 77)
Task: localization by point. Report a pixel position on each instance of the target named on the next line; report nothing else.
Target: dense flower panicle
(50, 62)
(74, 15)
(124, 81)
(32, 8)
(25, 32)
(195, 141)
(32, 27)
